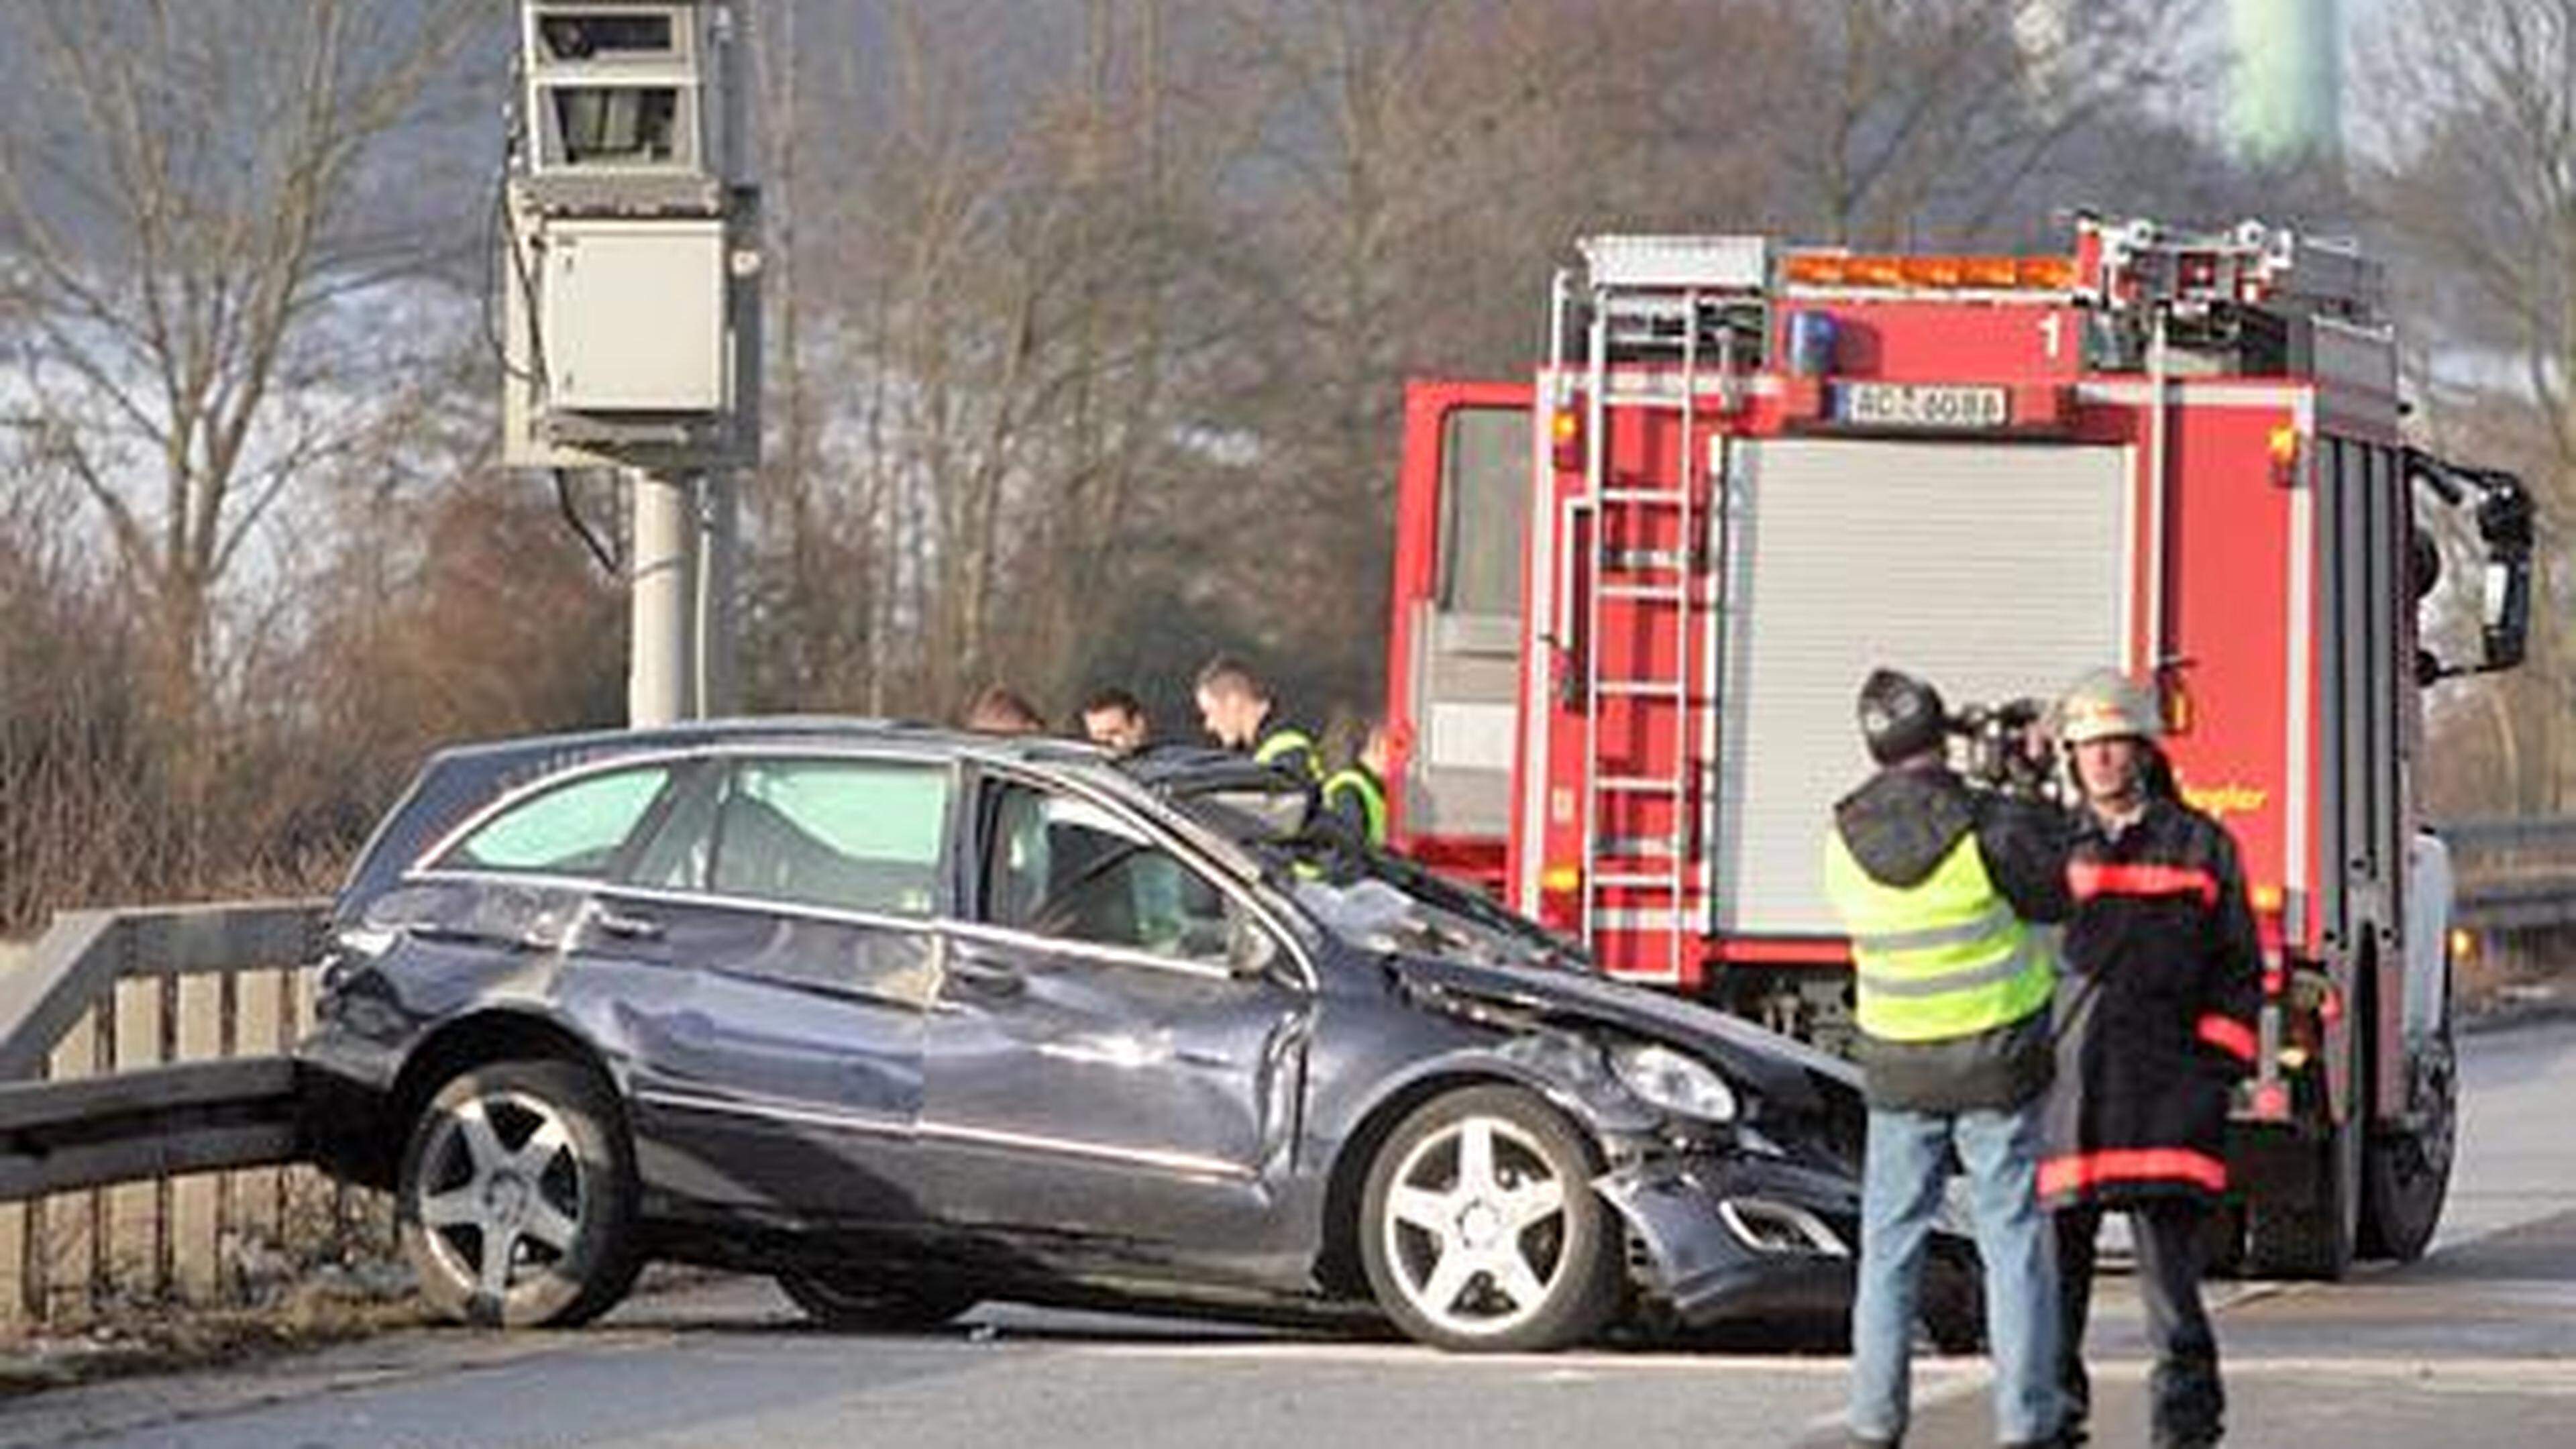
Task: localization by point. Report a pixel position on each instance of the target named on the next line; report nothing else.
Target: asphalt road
(2475, 1345)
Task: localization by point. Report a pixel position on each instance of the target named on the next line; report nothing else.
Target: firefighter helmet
(1900, 716)
(2106, 704)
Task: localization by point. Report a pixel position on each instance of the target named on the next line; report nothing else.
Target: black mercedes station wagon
(912, 1019)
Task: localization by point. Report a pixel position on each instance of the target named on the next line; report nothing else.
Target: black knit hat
(1900, 716)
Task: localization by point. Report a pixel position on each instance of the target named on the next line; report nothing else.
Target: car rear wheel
(516, 1197)
(854, 1300)
(1479, 1228)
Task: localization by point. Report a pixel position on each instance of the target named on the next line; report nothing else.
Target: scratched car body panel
(913, 1019)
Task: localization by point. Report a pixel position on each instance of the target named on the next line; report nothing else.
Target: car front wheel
(1479, 1228)
(516, 1197)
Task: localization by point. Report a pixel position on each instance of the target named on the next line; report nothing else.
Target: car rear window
(576, 828)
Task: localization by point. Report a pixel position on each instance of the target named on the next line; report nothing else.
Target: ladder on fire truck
(1658, 307)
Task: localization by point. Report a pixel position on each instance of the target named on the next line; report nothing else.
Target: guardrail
(148, 1047)
(2516, 873)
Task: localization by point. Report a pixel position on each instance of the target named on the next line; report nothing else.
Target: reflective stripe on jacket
(1354, 793)
(1941, 959)
(1289, 748)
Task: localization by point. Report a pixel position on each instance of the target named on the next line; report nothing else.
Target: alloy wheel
(1475, 1226)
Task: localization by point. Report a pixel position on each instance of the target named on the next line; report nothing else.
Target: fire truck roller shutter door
(1990, 570)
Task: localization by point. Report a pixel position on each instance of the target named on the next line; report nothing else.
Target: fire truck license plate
(1921, 405)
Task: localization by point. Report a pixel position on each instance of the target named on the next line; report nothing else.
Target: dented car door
(1116, 1049)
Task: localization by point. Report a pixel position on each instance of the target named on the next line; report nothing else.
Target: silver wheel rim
(501, 1191)
(1475, 1227)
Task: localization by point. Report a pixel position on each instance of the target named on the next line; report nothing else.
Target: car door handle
(987, 977)
(633, 928)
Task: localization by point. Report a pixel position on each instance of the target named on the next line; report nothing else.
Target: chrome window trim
(1088, 950)
(682, 755)
(834, 915)
(1180, 842)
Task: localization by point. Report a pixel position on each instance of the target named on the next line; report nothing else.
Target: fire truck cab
(1635, 596)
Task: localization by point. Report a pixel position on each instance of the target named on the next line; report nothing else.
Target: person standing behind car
(1355, 794)
(2165, 977)
(1115, 720)
(1937, 886)
(1235, 705)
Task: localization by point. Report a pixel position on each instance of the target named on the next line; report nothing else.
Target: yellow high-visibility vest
(1353, 780)
(1941, 959)
(1287, 739)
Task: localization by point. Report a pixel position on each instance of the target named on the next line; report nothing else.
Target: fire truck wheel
(2407, 1171)
(1479, 1228)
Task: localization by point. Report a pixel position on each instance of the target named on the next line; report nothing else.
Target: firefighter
(1938, 886)
(2164, 977)
(1235, 705)
(1355, 794)
(1115, 720)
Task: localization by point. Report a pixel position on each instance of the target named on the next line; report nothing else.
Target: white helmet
(2106, 704)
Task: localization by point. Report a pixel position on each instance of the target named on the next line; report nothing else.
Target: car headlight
(1673, 1081)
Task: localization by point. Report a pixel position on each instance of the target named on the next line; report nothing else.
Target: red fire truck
(1636, 594)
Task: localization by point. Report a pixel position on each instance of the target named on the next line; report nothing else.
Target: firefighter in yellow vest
(1235, 705)
(1355, 794)
(1937, 885)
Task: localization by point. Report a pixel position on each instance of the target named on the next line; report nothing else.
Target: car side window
(576, 828)
(1062, 867)
(856, 835)
(679, 853)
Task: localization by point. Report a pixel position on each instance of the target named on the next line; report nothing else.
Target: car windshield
(1368, 896)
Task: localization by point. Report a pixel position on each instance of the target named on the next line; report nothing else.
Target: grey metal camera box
(634, 315)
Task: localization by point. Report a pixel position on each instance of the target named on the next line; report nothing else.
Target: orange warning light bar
(1930, 273)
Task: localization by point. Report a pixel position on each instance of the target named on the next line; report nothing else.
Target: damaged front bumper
(1733, 1240)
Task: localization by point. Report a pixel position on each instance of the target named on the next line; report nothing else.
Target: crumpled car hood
(1780, 1069)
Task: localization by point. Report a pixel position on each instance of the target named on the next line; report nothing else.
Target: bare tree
(1911, 121)
(183, 266)
(2474, 172)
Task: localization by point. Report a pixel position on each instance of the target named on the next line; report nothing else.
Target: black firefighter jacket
(1899, 827)
(2156, 1012)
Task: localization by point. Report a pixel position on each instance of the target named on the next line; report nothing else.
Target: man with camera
(1938, 885)
(2164, 979)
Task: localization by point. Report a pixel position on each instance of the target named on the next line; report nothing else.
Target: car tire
(1479, 1229)
(516, 1200)
(855, 1301)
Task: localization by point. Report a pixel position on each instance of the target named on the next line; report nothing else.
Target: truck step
(1636, 785)
(1641, 688)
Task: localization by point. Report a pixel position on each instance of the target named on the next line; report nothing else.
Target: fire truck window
(1484, 485)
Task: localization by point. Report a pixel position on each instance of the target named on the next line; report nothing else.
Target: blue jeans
(1901, 1181)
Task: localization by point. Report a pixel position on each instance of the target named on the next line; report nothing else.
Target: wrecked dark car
(911, 1020)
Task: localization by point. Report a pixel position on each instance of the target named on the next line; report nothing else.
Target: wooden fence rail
(144, 1065)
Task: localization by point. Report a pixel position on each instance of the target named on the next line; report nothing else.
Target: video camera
(2000, 751)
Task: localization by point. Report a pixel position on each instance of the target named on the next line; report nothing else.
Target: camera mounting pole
(630, 274)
